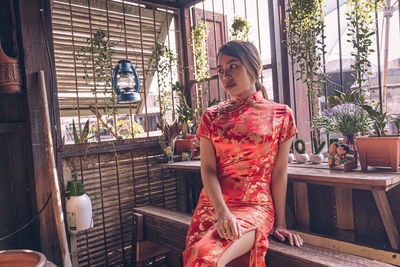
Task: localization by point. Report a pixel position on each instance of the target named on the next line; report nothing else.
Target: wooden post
(52, 172)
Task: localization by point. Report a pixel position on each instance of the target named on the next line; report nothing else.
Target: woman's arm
(278, 188)
(227, 225)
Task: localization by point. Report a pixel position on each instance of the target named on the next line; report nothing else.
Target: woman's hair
(248, 55)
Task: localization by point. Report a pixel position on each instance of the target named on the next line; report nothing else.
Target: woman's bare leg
(238, 248)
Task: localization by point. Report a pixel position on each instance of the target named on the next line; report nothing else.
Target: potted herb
(376, 149)
(317, 157)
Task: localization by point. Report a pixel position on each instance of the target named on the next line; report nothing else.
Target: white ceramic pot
(316, 158)
(302, 158)
(290, 157)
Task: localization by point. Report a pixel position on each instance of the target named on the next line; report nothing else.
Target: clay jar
(10, 74)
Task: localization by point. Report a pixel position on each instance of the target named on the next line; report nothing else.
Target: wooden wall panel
(116, 183)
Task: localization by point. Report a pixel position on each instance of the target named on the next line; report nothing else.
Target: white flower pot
(316, 158)
(290, 157)
(302, 158)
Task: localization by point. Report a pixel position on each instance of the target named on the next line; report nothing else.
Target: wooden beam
(362, 251)
(79, 150)
(301, 205)
(387, 217)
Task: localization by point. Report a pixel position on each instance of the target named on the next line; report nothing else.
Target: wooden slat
(344, 210)
(357, 250)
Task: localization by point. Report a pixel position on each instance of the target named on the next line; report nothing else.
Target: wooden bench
(168, 229)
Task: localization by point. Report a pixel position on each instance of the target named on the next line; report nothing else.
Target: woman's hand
(282, 233)
(228, 226)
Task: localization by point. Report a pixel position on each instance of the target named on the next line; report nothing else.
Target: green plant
(163, 62)
(96, 58)
(304, 29)
(397, 124)
(297, 144)
(361, 28)
(318, 147)
(199, 43)
(83, 138)
(126, 128)
(184, 111)
(240, 29)
(377, 119)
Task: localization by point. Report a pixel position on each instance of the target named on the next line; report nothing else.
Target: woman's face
(234, 77)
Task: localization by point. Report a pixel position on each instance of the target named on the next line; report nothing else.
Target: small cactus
(318, 148)
(299, 150)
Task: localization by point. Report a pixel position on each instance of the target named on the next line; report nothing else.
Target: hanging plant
(305, 25)
(163, 62)
(361, 27)
(96, 58)
(199, 43)
(240, 29)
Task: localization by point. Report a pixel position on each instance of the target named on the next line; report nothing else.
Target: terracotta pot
(10, 74)
(185, 145)
(379, 151)
(22, 258)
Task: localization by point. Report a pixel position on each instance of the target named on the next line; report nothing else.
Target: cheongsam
(246, 134)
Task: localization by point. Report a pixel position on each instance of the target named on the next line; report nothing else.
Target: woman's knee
(238, 248)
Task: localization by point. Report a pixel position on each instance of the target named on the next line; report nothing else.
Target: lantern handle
(137, 84)
(114, 80)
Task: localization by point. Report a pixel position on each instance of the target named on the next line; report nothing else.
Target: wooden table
(378, 182)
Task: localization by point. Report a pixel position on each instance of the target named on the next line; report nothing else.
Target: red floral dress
(246, 134)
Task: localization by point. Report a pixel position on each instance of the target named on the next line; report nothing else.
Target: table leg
(387, 217)
(301, 205)
(344, 212)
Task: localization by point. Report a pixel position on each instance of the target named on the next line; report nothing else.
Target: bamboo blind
(75, 21)
(115, 183)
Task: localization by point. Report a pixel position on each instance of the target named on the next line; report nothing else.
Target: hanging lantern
(10, 74)
(123, 83)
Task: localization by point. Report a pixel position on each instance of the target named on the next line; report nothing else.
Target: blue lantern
(123, 83)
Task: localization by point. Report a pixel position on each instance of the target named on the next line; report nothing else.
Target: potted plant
(186, 115)
(317, 157)
(240, 29)
(347, 119)
(300, 147)
(377, 149)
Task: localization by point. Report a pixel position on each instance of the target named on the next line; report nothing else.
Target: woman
(244, 145)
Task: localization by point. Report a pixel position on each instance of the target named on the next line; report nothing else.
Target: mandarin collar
(255, 97)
